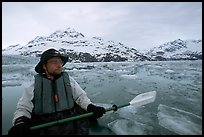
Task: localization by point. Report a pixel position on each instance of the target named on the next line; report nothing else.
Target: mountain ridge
(80, 48)
(177, 50)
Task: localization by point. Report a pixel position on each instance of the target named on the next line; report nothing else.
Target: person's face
(53, 66)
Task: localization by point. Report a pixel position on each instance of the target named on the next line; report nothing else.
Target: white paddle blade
(143, 99)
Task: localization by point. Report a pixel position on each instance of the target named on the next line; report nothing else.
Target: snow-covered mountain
(77, 47)
(83, 49)
(177, 50)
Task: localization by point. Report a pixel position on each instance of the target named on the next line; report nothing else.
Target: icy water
(176, 110)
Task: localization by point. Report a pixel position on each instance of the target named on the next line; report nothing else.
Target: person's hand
(97, 110)
(21, 127)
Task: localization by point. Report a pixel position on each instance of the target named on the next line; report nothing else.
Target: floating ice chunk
(169, 71)
(158, 67)
(11, 83)
(132, 113)
(128, 127)
(179, 121)
(128, 112)
(129, 76)
(122, 71)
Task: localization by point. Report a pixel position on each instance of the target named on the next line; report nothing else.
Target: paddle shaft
(114, 107)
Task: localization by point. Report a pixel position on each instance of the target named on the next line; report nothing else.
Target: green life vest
(52, 96)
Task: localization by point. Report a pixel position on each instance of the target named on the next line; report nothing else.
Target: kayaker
(53, 95)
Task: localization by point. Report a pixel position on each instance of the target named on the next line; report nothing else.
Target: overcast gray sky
(141, 25)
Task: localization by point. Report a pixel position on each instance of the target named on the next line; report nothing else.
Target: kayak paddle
(139, 100)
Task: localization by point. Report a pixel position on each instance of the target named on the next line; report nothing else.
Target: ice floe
(179, 121)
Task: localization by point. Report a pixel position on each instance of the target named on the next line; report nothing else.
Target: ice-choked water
(176, 110)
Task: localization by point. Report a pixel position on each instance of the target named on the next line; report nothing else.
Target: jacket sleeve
(25, 105)
(79, 95)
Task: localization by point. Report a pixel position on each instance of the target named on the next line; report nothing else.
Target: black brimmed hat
(47, 55)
